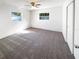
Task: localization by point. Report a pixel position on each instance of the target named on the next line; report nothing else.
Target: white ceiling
(1, 2)
(44, 3)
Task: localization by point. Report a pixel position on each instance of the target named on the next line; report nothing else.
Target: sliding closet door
(70, 27)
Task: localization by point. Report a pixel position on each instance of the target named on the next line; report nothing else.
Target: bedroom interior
(37, 29)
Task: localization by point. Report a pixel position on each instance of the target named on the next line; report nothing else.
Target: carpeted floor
(35, 44)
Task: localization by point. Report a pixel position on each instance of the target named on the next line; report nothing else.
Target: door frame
(73, 22)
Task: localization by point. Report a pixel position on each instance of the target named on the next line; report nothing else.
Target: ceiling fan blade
(38, 5)
(27, 5)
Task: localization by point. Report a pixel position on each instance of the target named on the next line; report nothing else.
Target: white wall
(7, 27)
(76, 28)
(55, 19)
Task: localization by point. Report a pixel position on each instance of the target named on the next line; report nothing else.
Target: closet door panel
(70, 27)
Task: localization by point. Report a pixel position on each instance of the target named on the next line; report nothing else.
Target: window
(44, 16)
(16, 16)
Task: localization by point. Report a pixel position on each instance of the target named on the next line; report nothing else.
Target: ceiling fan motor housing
(33, 3)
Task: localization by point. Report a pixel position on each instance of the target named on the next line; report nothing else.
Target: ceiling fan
(33, 3)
